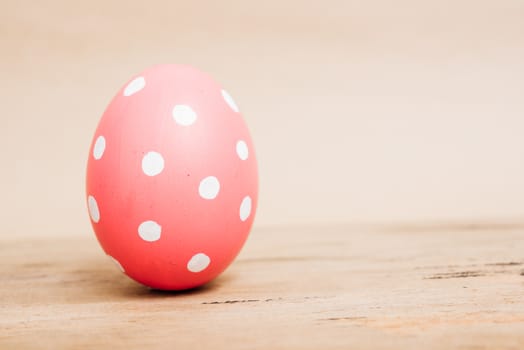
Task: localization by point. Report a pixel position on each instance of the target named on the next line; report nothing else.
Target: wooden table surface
(332, 287)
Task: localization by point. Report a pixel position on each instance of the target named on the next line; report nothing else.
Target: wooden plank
(292, 287)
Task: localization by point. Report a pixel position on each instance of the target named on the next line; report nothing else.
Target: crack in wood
(478, 273)
(460, 274)
(510, 263)
(236, 301)
(240, 301)
(346, 318)
(231, 301)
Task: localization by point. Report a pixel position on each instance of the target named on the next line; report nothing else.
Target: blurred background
(361, 111)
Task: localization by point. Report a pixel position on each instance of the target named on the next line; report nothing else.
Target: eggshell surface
(172, 180)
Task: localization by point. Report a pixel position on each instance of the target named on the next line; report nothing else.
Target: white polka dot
(149, 231)
(245, 208)
(184, 115)
(134, 86)
(100, 147)
(199, 262)
(152, 163)
(93, 209)
(242, 150)
(229, 100)
(117, 264)
(209, 187)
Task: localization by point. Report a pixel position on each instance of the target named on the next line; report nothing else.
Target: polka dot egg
(172, 181)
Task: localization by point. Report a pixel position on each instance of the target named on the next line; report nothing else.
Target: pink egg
(172, 180)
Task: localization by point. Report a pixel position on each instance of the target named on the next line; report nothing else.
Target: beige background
(362, 111)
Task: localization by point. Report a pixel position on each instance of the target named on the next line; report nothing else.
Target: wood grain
(336, 287)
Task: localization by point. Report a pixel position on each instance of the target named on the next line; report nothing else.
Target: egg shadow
(211, 286)
(139, 290)
(126, 288)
